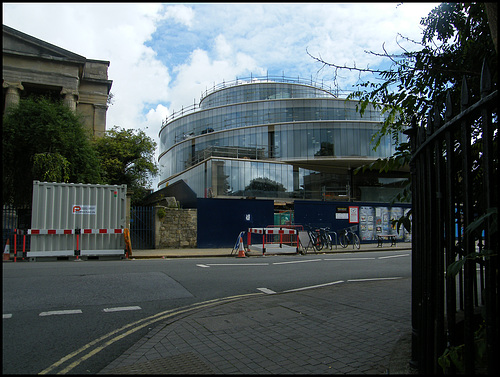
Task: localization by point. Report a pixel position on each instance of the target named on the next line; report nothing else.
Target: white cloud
(222, 47)
(155, 117)
(180, 13)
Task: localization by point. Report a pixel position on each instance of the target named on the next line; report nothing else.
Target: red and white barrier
(271, 231)
(50, 231)
(77, 251)
(74, 231)
(101, 231)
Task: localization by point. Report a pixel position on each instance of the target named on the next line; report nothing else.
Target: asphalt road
(51, 309)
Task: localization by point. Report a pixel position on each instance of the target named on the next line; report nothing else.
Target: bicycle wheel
(356, 241)
(322, 241)
(318, 244)
(315, 240)
(329, 242)
(343, 240)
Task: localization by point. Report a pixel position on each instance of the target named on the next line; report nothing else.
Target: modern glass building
(275, 138)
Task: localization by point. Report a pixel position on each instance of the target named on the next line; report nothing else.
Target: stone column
(70, 98)
(99, 126)
(13, 94)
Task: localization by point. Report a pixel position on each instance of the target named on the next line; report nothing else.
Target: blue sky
(164, 55)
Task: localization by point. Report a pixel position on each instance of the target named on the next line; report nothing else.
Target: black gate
(455, 277)
(142, 227)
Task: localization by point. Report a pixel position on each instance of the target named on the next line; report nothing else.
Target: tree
(456, 39)
(51, 132)
(127, 157)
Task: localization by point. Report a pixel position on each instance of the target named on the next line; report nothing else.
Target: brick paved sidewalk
(348, 328)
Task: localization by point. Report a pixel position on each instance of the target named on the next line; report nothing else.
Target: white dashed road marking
(120, 309)
(299, 261)
(394, 256)
(267, 291)
(232, 264)
(60, 312)
(78, 311)
(375, 279)
(347, 259)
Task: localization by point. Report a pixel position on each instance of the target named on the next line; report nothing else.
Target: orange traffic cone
(241, 250)
(6, 251)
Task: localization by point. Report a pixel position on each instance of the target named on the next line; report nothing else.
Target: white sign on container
(80, 209)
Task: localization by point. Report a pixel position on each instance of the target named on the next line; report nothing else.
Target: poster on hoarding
(353, 215)
(366, 220)
(374, 221)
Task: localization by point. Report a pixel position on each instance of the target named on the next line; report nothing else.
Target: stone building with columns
(33, 66)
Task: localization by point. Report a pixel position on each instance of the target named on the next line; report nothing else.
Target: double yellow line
(132, 327)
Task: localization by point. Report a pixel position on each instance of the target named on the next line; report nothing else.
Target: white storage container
(97, 212)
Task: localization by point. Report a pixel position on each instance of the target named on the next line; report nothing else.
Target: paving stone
(336, 329)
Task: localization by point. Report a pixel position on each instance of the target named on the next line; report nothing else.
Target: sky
(163, 56)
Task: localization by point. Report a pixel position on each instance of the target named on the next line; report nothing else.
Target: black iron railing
(455, 269)
(142, 227)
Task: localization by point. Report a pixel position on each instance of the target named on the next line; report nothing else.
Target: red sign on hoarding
(353, 215)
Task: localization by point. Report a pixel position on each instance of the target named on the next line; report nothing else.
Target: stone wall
(177, 229)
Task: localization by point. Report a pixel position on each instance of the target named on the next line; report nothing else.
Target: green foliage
(50, 167)
(127, 157)
(161, 212)
(39, 126)
(453, 356)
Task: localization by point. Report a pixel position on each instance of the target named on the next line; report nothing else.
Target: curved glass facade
(274, 140)
(247, 92)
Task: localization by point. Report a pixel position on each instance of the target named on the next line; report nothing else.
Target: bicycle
(347, 237)
(320, 238)
(326, 237)
(315, 240)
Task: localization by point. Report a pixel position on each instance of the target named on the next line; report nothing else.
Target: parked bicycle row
(320, 238)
